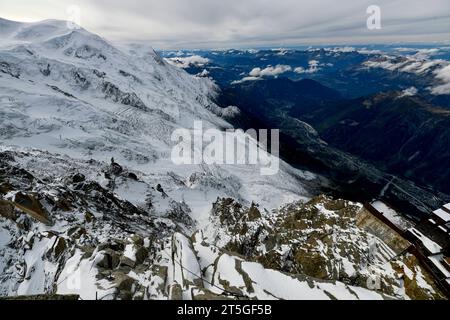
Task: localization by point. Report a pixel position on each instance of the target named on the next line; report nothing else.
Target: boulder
(29, 204)
(125, 261)
(63, 204)
(115, 168)
(123, 282)
(89, 217)
(7, 210)
(253, 213)
(78, 177)
(110, 260)
(6, 187)
(141, 255)
(125, 286)
(137, 240)
(160, 271)
(59, 247)
(132, 176)
(175, 292)
(76, 232)
(114, 245)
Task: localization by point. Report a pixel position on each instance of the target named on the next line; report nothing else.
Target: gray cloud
(246, 23)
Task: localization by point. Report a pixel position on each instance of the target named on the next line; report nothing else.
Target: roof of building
(429, 244)
(444, 215)
(437, 261)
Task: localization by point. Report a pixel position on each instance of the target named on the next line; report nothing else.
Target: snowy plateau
(75, 222)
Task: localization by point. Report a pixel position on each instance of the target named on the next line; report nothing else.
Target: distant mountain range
(380, 108)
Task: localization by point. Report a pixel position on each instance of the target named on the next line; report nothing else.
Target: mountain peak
(39, 31)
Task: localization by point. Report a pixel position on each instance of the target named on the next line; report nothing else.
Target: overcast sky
(245, 23)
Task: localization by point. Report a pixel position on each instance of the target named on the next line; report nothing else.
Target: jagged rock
(125, 286)
(89, 217)
(110, 259)
(7, 210)
(160, 189)
(176, 292)
(133, 176)
(161, 272)
(46, 71)
(253, 213)
(320, 238)
(125, 261)
(105, 199)
(88, 251)
(7, 156)
(137, 240)
(81, 80)
(63, 204)
(115, 168)
(114, 93)
(78, 177)
(99, 74)
(31, 205)
(12, 70)
(113, 244)
(180, 212)
(59, 247)
(76, 232)
(6, 187)
(141, 255)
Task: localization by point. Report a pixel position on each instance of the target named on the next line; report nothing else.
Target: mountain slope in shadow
(297, 107)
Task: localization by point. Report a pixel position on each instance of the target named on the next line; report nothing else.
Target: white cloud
(313, 66)
(186, 62)
(410, 64)
(419, 64)
(246, 79)
(444, 76)
(270, 71)
(409, 92)
(342, 49)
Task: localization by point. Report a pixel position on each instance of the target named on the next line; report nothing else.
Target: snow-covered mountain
(72, 221)
(71, 92)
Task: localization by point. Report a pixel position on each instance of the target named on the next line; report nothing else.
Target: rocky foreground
(64, 230)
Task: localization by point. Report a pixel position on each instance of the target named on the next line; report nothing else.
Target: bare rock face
(32, 206)
(110, 259)
(176, 292)
(7, 210)
(324, 239)
(302, 250)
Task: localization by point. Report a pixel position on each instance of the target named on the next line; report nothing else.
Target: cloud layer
(186, 62)
(420, 64)
(245, 23)
(269, 71)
